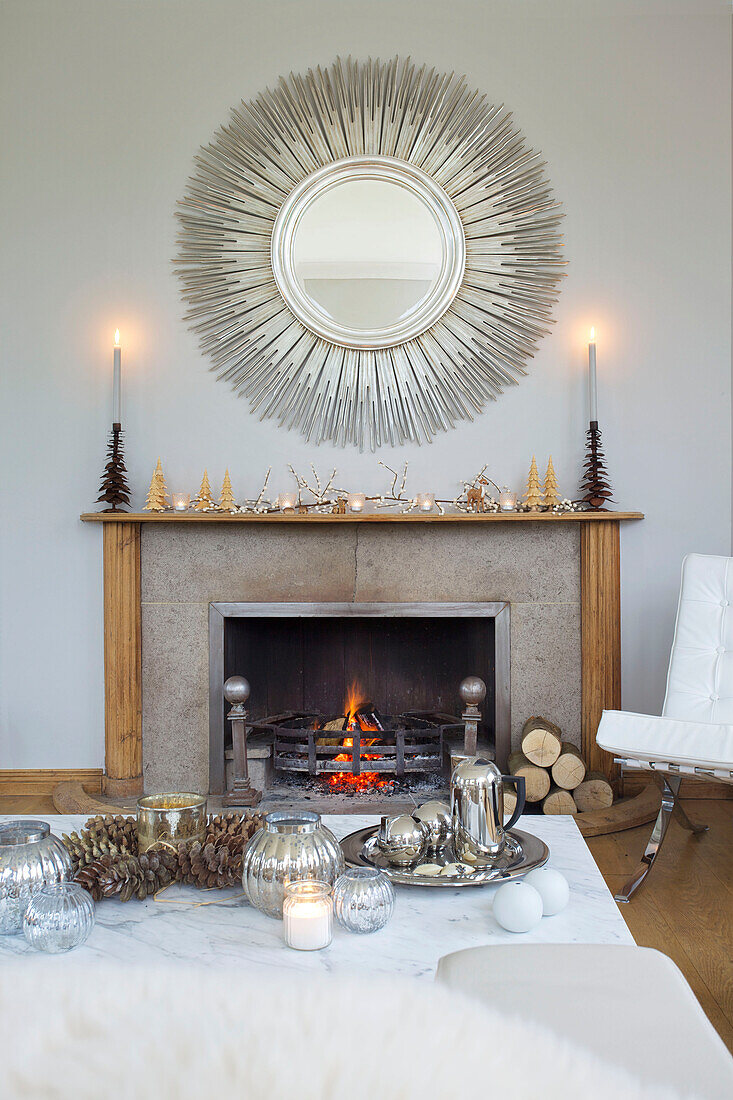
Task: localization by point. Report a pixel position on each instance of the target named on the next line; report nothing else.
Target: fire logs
(541, 741)
(594, 793)
(568, 771)
(537, 780)
(555, 773)
(559, 801)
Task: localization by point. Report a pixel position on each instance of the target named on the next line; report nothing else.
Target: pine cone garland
(107, 862)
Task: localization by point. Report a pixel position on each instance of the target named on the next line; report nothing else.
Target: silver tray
(524, 852)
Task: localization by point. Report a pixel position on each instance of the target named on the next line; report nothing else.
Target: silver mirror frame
(387, 170)
(429, 123)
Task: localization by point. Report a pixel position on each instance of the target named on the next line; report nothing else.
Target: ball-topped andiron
(472, 691)
(236, 690)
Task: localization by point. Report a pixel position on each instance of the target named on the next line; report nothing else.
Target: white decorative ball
(552, 887)
(517, 907)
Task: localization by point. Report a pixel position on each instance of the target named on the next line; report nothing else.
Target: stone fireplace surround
(535, 568)
(559, 574)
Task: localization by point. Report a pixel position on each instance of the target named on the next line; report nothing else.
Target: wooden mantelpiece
(599, 595)
(368, 517)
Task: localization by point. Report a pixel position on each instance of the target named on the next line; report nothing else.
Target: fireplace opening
(355, 699)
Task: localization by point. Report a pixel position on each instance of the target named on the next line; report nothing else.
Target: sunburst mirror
(370, 252)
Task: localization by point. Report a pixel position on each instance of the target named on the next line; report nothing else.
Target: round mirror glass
(367, 253)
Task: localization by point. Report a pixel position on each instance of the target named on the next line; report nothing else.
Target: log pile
(555, 773)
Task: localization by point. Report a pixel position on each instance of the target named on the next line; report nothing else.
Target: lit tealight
(180, 501)
(286, 502)
(507, 500)
(356, 502)
(425, 501)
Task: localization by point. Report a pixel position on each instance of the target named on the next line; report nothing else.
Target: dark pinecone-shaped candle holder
(114, 490)
(595, 488)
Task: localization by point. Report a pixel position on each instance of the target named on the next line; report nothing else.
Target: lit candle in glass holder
(307, 915)
(356, 502)
(425, 501)
(180, 501)
(286, 502)
(507, 500)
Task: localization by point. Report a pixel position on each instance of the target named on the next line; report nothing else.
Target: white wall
(103, 104)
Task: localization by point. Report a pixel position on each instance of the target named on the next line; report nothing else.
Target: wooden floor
(685, 909)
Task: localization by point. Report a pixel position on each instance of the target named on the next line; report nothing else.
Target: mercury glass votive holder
(363, 899)
(307, 915)
(60, 916)
(170, 819)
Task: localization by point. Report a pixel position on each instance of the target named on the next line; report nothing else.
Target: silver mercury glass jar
(30, 856)
(290, 847)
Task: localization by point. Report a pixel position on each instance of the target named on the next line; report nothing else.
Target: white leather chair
(694, 736)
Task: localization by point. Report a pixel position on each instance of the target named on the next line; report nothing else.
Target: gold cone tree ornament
(227, 503)
(533, 496)
(157, 493)
(550, 496)
(204, 501)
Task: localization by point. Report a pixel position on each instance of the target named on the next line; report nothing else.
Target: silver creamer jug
(477, 809)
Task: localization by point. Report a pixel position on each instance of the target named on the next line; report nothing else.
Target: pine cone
(89, 845)
(120, 831)
(217, 862)
(208, 866)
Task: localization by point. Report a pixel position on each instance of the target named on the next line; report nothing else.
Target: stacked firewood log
(555, 773)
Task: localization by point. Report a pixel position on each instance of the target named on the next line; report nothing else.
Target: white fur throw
(92, 1033)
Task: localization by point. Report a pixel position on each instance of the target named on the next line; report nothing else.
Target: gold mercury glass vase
(170, 819)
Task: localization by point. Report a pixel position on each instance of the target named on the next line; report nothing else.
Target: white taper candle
(592, 384)
(117, 380)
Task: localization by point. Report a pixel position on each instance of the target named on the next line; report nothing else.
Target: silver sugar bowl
(402, 839)
(437, 816)
(30, 856)
(290, 847)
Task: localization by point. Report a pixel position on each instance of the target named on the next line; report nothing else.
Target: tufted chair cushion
(696, 728)
(700, 678)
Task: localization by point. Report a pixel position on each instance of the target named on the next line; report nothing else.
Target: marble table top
(427, 923)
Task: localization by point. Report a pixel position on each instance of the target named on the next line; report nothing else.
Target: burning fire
(346, 781)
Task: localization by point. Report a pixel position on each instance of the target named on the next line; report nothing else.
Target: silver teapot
(477, 810)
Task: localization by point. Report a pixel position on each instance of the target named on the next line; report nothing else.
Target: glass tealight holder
(363, 899)
(507, 500)
(425, 502)
(170, 819)
(60, 916)
(180, 501)
(286, 502)
(307, 915)
(356, 502)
